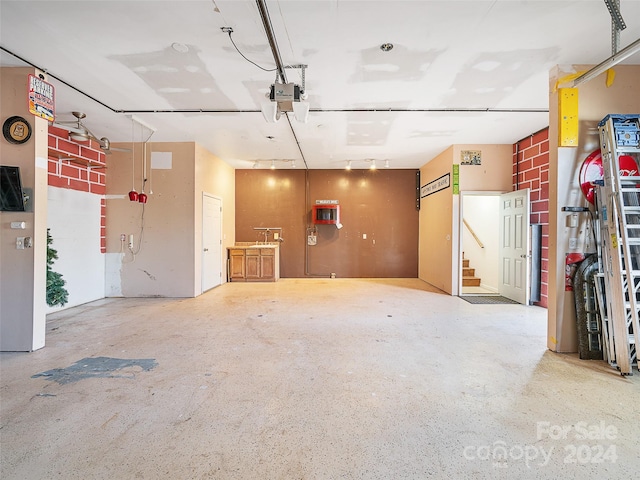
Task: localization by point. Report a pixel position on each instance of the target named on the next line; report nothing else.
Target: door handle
(524, 256)
(206, 249)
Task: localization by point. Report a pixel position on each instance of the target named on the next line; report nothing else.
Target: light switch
(573, 220)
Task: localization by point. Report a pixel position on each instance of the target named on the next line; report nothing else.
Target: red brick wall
(78, 166)
(531, 170)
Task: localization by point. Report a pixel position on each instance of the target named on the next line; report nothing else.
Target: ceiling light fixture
(273, 164)
(348, 167)
(373, 164)
(180, 47)
(385, 47)
(79, 136)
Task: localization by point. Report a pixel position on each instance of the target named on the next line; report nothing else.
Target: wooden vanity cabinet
(254, 264)
(236, 264)
(268, 264)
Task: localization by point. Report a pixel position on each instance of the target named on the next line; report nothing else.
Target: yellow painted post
(568, 117)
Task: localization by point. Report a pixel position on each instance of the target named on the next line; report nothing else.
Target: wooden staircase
(469, 278)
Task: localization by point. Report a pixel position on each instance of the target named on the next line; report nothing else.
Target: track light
(255, 164)
(273, 164)
(293, 164)
(348, 167)
(373, 164)
(386, 163)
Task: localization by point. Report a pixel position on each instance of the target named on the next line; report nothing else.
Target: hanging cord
(229, 30)
(136, 251)
(141, 236)
(133, 157)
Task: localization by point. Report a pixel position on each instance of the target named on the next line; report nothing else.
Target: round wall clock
(16, 130)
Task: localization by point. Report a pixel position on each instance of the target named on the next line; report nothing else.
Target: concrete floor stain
(97, 367)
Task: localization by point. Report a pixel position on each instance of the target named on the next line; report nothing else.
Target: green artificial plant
(56, 293)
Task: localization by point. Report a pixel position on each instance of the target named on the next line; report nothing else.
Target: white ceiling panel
(459, 72)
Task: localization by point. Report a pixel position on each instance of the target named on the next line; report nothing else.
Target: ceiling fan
(78, 131)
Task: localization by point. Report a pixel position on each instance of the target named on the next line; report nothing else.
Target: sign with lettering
(42, 101)
(436, 185)
(456, 179)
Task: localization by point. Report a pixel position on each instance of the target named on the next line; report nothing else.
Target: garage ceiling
(459, 71)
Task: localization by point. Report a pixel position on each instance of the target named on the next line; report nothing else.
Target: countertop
(253, 245)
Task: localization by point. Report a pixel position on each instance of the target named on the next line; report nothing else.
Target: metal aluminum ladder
(618, 205)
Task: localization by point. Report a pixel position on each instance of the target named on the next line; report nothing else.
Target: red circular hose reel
(591, 171)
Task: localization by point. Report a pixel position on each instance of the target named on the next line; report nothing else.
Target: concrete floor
(313, 379)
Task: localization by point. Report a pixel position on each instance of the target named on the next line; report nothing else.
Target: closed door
(514, 246)
(211, 242)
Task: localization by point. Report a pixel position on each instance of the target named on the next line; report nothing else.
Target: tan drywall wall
(435, 251)
(23, 272)
(162, 260)
(596, 100)
(217, 178)
(493, 174)
(167, 260)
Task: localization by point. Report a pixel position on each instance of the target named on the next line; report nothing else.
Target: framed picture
(470, 157)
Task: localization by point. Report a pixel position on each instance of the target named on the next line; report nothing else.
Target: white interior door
(514, 266)
(211, 242)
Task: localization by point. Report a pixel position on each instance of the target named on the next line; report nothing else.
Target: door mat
(487, 299)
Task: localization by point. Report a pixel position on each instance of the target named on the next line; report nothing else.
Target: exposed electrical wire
(132, 250)
(243, 55)
(141, 236)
